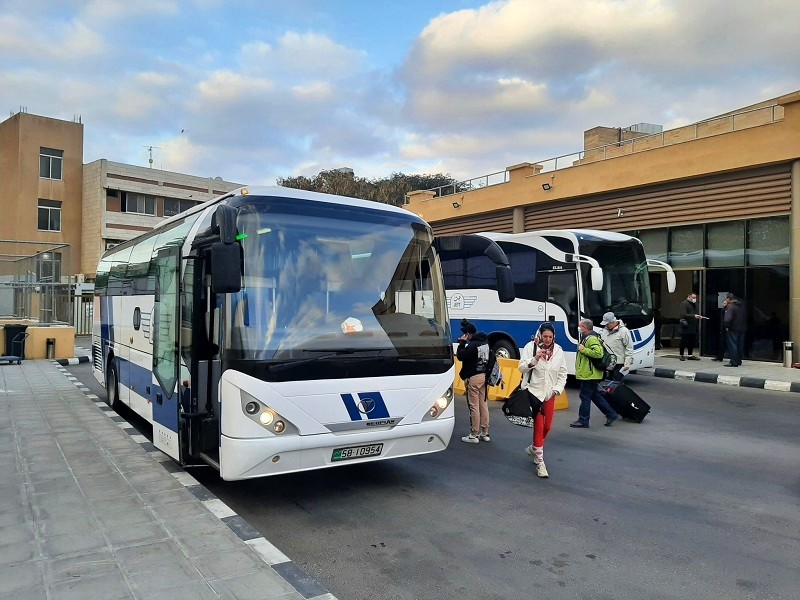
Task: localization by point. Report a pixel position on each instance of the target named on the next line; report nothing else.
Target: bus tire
(112, 385)
(504, 349)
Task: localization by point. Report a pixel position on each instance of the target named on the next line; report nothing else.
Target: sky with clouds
(253, 90)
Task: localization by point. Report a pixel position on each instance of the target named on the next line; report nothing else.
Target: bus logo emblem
(370, 405)
(460, 302)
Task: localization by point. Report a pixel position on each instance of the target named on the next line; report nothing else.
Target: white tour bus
(273, 330)
(559, 276)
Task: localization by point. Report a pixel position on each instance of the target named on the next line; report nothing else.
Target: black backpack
(605, 362)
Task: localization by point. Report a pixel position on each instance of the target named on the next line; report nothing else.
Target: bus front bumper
(261, 457)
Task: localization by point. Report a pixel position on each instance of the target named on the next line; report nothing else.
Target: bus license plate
(356, 452)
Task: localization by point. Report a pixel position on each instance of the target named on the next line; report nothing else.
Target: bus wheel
(112, 386)
(503, 349)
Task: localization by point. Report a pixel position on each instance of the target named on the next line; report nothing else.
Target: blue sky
(251, 91)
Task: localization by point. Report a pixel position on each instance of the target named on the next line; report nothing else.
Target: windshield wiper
(288, 364)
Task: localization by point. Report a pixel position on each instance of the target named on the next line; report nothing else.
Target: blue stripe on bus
(351, 407)
(519, 331)
(645, 342)
(165, 414)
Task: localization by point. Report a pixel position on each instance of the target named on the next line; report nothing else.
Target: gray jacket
(619, 343)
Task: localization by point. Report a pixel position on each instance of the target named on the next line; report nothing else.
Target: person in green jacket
(590, 346)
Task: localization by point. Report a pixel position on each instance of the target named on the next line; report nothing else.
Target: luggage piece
(625, 401)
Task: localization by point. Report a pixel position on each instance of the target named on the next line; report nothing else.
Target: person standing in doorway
(689, 326)
(473, 352)
(590, 347)
(722, 344)
(735, 327)
(544, 374)
(617, 340)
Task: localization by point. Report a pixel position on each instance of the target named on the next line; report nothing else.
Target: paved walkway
(90, 510)
(754, 374)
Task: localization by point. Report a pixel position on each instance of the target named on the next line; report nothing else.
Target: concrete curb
(308, 587)
(749, 382)
(72, 361)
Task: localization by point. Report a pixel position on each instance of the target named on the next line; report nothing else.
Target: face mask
(692, 300)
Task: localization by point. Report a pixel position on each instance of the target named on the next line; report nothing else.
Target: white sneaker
(541, 470)
(532, 453)
(485, 437)
(471, 439)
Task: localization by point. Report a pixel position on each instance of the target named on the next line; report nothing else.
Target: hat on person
(467, 327)
(731, 296)
(608, 318)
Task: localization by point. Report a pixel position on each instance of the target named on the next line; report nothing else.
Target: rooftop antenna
(150, 150)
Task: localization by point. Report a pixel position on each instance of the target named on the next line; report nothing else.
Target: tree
(389, 190)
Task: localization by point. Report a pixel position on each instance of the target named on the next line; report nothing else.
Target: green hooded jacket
(584, 369)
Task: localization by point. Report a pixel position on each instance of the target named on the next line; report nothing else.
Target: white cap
(608, 318)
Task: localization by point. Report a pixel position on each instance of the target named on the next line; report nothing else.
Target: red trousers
(543, 422)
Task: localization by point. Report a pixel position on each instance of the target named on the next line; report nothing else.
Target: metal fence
(33, 285)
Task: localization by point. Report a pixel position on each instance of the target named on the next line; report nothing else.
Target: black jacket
(735, 317)
(688, 312)
(474, 355)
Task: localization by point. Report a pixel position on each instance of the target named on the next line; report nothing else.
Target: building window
(138, 203)
(48, 267)
(112, 243)
(686, 246)
(173, 206)
(768, 241)
(50, 161)
(725, 244)
(49, 215)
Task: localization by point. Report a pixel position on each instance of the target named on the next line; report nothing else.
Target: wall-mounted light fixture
(547, 187)
(456, 204)
(620, 212)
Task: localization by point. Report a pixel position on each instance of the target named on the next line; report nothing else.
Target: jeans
(736, 346)
(590, 392)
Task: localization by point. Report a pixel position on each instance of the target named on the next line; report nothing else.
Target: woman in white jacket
(544, 374)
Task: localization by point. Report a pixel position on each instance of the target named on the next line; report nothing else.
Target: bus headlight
(266, 416)
(439, 405)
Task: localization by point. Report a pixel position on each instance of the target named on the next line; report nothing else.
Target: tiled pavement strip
(90, 510)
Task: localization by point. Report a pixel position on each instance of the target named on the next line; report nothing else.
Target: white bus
(273, 330)
(559, 276)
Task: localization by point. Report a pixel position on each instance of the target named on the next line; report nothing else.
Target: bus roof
(572, 234)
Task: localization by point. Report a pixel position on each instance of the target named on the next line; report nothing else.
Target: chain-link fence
(34, 282)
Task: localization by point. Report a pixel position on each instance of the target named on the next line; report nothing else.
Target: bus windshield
(626, 285)
(334, 283)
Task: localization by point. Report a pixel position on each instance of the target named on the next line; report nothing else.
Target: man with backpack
(473, 352)
(590, 351)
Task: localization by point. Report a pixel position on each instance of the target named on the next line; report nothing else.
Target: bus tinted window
(468, 271)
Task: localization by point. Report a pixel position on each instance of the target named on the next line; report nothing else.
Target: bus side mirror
(226, 272)
(671, 283)
(505, 284)
(597, 278)
(223, 223)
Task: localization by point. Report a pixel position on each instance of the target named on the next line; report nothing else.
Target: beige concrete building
(719, 200)
(41, 184)
(123, 201)
(57, 215)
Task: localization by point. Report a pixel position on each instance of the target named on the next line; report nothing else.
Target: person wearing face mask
(689, 327)
(544, 374)
(617, 340)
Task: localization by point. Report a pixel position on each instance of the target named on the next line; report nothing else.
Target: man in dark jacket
(735, 326)
(473, 352)
(689, 327)
(722, 345)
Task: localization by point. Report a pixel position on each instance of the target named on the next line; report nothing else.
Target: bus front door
(562, 293)
(166, 319)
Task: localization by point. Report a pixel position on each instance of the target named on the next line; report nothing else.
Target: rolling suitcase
(625, 401)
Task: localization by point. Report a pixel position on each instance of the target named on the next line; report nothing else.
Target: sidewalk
(752, 374)
(90, 510)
